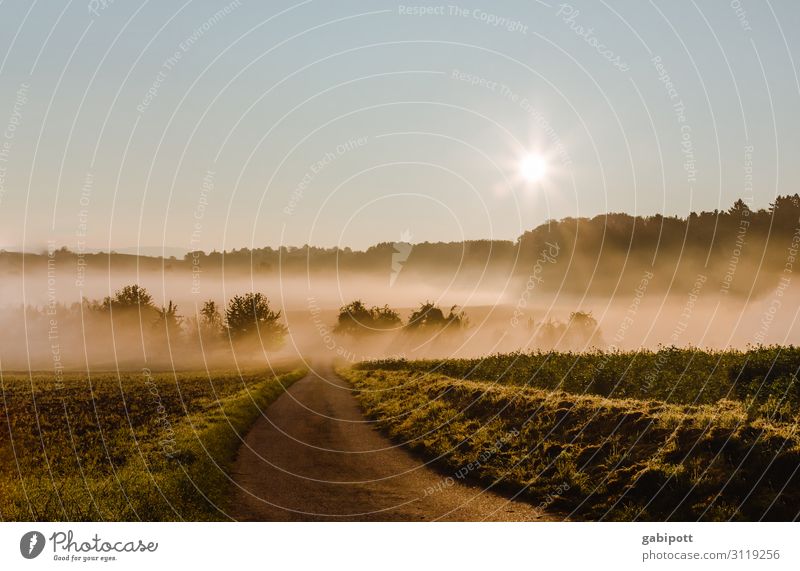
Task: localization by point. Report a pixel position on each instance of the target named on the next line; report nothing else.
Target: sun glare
(533, 167)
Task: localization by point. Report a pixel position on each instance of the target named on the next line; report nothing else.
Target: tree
(129, 297)
(385, 317)
(169, 321)
(430, 317)
(583, 329)
(249, 315)
(739, 208)
(549, 333)
(579, 332)
(210, 318)
(355, 319)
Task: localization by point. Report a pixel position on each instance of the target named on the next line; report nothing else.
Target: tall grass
(595, 457)
(763, 378)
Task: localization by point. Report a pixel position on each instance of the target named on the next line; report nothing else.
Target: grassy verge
(591, 456)
(764, 378)
(142, 446)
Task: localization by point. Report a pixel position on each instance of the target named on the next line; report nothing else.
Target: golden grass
(617, 459)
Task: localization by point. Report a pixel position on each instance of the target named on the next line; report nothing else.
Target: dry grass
(590, 456)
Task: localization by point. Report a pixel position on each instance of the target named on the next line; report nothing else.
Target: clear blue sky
(361, 100)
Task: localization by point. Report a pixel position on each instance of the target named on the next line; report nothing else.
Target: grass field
(668, 435)
(138, 446)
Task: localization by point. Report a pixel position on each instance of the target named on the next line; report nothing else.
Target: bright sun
(533, 167)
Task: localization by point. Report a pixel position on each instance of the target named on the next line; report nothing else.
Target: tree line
(250, 316)
(579, 331)
(356, 319)
(622, 245)
(244, 316)
(129, 328)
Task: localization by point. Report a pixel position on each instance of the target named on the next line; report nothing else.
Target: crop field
(667, 435)
(126, 447)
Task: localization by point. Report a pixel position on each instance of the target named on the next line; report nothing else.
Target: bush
(249, 315)
(130, 297)
(355, 319)
(430, 317)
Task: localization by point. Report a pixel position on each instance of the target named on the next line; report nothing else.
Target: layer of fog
(505, 314)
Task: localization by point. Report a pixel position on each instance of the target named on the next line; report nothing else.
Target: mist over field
(717, 280)
(373, 261)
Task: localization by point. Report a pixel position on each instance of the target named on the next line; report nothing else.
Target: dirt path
(314, 457)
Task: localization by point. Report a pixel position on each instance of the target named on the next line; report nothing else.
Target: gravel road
(314, 457)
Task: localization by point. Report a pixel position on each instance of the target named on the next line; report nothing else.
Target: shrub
(430, 317)
(249, 315)
(130, 297)
(355, 319)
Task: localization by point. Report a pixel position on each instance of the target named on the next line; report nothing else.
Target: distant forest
(740, 251)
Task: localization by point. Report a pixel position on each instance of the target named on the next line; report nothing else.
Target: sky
(222, 125)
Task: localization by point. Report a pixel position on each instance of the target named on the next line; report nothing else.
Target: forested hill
(738, 252)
